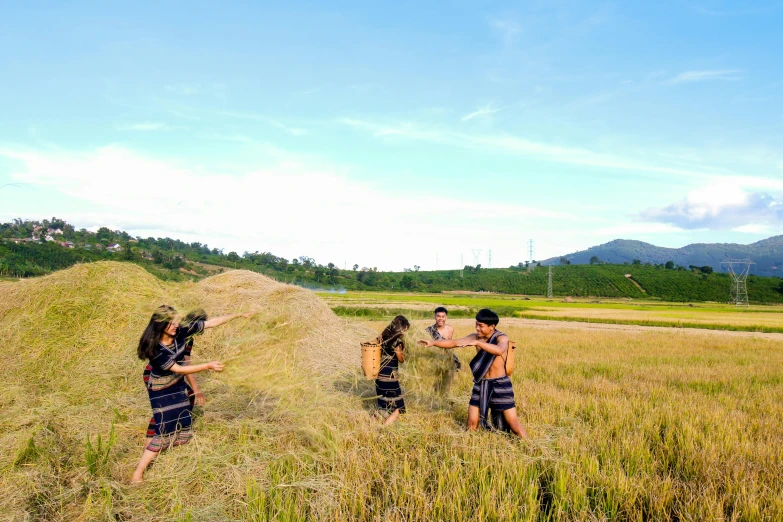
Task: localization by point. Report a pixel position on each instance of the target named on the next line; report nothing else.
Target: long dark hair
(199, 314)
(150, 339)
(395, 330)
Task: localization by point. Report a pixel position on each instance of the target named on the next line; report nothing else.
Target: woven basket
(371, 359)
(512, 347)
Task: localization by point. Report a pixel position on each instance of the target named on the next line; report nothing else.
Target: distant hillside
(29, 249)
(767, 254)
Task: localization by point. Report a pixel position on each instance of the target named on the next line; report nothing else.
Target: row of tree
(173, 259)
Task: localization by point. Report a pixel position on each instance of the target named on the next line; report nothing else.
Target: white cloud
(146, 126)
(703, 76)
(291, 209)
(727, 203)
(754, 228)
(507, 27)
(633, 229)
(216, 89)
(184, 89)
(481, 112)
(294, 131)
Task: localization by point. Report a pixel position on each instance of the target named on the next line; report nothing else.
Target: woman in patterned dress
(195, 395)
(163, 344)
(390, 401)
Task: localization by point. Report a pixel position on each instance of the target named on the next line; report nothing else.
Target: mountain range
(767, 254)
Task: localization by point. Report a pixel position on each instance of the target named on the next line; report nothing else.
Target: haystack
(68, 342)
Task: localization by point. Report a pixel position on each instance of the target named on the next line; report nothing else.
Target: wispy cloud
(183, 89)
(293, 131)
(215, 89)
(481, 112)
(147, 126)
(510, 144)
(705, 76)
(507, 27)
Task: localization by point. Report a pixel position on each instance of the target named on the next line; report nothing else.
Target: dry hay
(68, 342)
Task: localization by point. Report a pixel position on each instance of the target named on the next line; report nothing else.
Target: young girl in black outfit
(390, 401)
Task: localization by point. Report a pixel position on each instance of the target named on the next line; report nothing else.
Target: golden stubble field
(719, 316)
(646, 424)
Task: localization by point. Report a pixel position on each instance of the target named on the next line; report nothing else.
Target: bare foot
(391, 418)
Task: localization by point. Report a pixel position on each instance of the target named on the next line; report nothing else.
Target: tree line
(171, 259)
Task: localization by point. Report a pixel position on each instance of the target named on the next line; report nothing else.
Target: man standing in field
(492, 401)
(440, 331)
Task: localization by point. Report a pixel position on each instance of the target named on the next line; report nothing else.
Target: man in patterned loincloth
(492, 401)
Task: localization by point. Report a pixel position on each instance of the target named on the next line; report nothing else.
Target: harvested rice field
(712, 316)
(625, 424)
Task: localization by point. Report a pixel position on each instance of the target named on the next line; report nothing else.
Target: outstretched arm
(494, 349)
(449, 343)
(223, 319)
(195, 368)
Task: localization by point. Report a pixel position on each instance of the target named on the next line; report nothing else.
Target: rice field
(665, 424)
(760, 318)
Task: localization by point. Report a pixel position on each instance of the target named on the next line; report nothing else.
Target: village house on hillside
(114, 248)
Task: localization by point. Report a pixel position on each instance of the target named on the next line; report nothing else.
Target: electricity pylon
(549, 285)
(738, 270)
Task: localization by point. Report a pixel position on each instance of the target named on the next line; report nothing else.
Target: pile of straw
(68, 345)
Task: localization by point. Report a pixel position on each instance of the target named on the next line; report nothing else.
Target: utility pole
(476, 254)
(489, 264)
(530, 250)
(461, 266)
(549, 285)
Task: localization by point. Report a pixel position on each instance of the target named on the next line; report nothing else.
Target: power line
(476, 254)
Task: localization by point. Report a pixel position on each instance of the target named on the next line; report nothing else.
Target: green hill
(766, 254)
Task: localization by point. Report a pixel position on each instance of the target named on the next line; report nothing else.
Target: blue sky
(397, 135)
